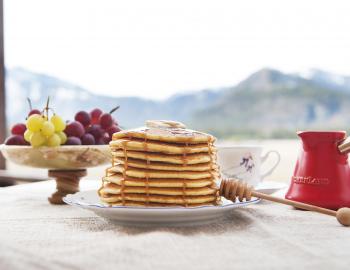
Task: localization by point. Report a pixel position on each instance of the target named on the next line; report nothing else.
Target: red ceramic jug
(322, 173)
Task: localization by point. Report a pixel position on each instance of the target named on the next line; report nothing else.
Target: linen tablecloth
(37, 235)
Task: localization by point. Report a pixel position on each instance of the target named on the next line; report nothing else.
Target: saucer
(270, 187)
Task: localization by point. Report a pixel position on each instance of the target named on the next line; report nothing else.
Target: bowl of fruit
(65, 148)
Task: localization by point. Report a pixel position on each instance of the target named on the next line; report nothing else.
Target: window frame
(3, 126)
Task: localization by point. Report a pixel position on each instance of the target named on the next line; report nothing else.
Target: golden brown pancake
(144, 204)
(143, 173)
(111, 198)
(152, 165)
(158, 182)
(173, 159)
(111, 188)
(178, 135)
(160, 147)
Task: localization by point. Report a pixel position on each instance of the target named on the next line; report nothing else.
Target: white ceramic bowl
(65, 157)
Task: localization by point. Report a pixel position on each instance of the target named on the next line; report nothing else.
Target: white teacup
(244, 162)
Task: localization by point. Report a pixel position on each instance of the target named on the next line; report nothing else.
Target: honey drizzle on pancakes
(122, 188)
(184, 163)
(147, 182)
(210, 151)
(145, 149)
(184, 185)
(184, 155)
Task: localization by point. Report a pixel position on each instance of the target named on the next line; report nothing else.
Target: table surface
(37, 235)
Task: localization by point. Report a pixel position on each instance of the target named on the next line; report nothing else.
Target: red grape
(15, 140)
(112, 129)
(88, 139)
(104, 139)
(100, 141)
(34, 111)
(75, 129)
(96, 131)
(83, 117)
(105, 120)
(73, 141)
(95, 115)
(18, 129)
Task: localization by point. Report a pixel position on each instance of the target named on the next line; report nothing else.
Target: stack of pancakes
(163, 164)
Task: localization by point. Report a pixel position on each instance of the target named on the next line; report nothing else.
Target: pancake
(135, 163)
(111, 188)
(160, 147)
(163, 164)
(152, 182)
(143, 173)
(111, 198)
(144, 204)
(173, 159)
(160, 133)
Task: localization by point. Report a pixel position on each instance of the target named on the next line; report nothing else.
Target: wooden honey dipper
(233, 189)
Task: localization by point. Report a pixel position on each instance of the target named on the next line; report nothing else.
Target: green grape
(37, 139)
(27, 135)
(62, 136)
(48, 129)
(58, 122)
(54, 140)
(35, 122)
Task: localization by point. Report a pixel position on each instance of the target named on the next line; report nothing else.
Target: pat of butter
(164, 124)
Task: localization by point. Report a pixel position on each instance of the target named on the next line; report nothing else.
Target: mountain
(268, 103)
(266, 79)
(67, 98)
(328, 79)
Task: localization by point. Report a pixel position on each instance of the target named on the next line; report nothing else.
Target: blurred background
(249, 72)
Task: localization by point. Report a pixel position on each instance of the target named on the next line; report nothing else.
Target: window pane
(237, 69)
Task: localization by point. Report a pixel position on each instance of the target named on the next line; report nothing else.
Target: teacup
(244, 163)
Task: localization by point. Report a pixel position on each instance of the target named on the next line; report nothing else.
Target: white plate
(153, 216)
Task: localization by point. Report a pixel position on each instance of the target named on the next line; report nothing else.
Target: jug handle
(344, 146)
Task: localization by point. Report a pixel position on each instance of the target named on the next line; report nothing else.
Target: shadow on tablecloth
(235, 220)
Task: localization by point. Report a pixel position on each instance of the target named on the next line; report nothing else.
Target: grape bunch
(43, 131)
(91, 128)
(39, 130)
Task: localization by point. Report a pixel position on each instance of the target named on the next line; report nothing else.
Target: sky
(155, 48)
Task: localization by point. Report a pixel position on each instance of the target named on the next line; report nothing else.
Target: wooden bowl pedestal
(67, 182)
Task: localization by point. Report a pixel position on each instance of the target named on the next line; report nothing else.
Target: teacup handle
(264, 158)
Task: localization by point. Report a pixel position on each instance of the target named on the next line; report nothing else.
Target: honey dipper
(233, 189)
